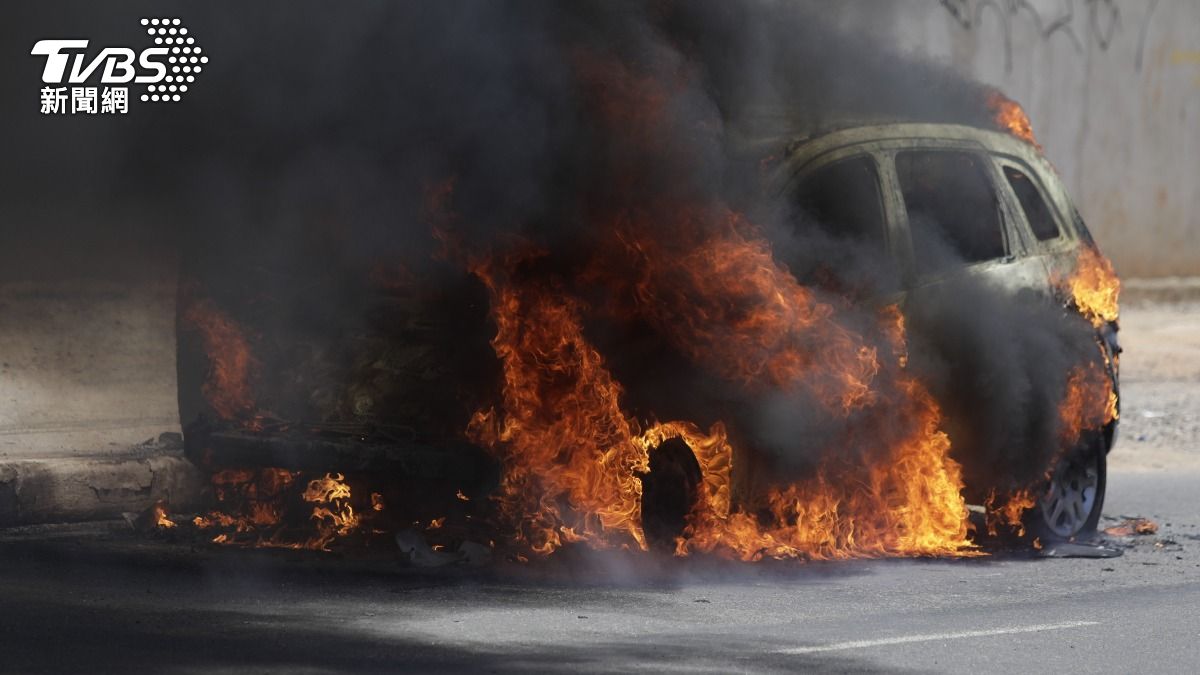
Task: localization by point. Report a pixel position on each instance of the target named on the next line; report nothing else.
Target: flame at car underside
(708, 282)
(572, 458)
(252, 510)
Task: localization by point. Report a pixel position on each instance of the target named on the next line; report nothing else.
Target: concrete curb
(71, 490)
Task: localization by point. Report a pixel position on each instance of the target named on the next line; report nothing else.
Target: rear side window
(1041, 221)
(843, 200)
(952, 208)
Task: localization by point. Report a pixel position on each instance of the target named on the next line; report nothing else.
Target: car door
(842, 211)
(959, 225)
(1038, 215)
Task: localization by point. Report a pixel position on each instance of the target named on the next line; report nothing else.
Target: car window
(1037, 213)
(843, 200)
(953, 214)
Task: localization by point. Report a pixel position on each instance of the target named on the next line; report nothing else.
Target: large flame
(908, 504)
(567, 451)
(707, 281)
(572, 458)
(727, 304)
(884, 490)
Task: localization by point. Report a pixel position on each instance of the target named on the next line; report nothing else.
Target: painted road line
(935, 637)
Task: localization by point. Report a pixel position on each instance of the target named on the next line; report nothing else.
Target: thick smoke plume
(394, 141)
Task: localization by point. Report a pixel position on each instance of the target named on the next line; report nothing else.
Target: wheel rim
(1071, 496)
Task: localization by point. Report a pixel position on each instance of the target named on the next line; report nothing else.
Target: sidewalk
(65, 489)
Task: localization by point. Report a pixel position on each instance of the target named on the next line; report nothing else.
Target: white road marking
(934, 637)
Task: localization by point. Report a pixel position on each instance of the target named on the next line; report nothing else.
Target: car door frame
(1057, 255)
(886, 186)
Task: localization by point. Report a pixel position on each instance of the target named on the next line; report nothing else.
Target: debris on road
(1132, 526)
(1073, 549)
(156, 518)
(421, 554)
(475, 554)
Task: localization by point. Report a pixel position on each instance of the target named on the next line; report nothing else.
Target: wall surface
(1113, 90)
(87, 376)
(87, 367)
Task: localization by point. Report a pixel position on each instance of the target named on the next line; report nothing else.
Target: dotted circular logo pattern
(186, 59)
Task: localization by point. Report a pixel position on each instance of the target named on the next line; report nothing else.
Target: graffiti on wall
(1099, 22)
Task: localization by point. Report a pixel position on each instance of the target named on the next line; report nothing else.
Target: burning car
(949, 204)
(673, 375)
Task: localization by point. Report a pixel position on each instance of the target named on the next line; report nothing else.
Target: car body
(1028, 260)
(947, 203)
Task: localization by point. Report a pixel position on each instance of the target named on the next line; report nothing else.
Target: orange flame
(1094, 287)
(1011, 513)
(333, 513)
(161, 516)
(707, 281)
(231, 363)
(906, 505)
(327, 489)
(571, 458)
(1090, 402)
(261, 494)
(1011, 117)
(727, 304)
(570, 464)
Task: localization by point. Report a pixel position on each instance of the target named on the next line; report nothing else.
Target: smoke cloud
(300, 172)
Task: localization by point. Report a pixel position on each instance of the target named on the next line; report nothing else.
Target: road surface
(97, 599)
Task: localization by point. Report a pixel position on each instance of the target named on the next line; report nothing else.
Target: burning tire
(1073, 499)
(669, 492)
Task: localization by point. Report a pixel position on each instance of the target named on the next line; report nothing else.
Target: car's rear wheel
(1074, 497)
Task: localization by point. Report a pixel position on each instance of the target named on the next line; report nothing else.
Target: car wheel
(669, 491)
(1073, 499)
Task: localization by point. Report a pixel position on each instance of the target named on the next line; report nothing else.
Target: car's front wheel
(1072, 501)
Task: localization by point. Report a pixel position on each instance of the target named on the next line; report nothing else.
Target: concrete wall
(87, 366)
(1113, 90)
(87, 374)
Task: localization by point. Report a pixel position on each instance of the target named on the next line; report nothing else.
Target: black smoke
(299, 171)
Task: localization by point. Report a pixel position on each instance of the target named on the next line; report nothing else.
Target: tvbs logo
(167, 69)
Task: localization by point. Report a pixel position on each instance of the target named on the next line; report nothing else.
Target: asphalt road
(93, 600)
(99, 599)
